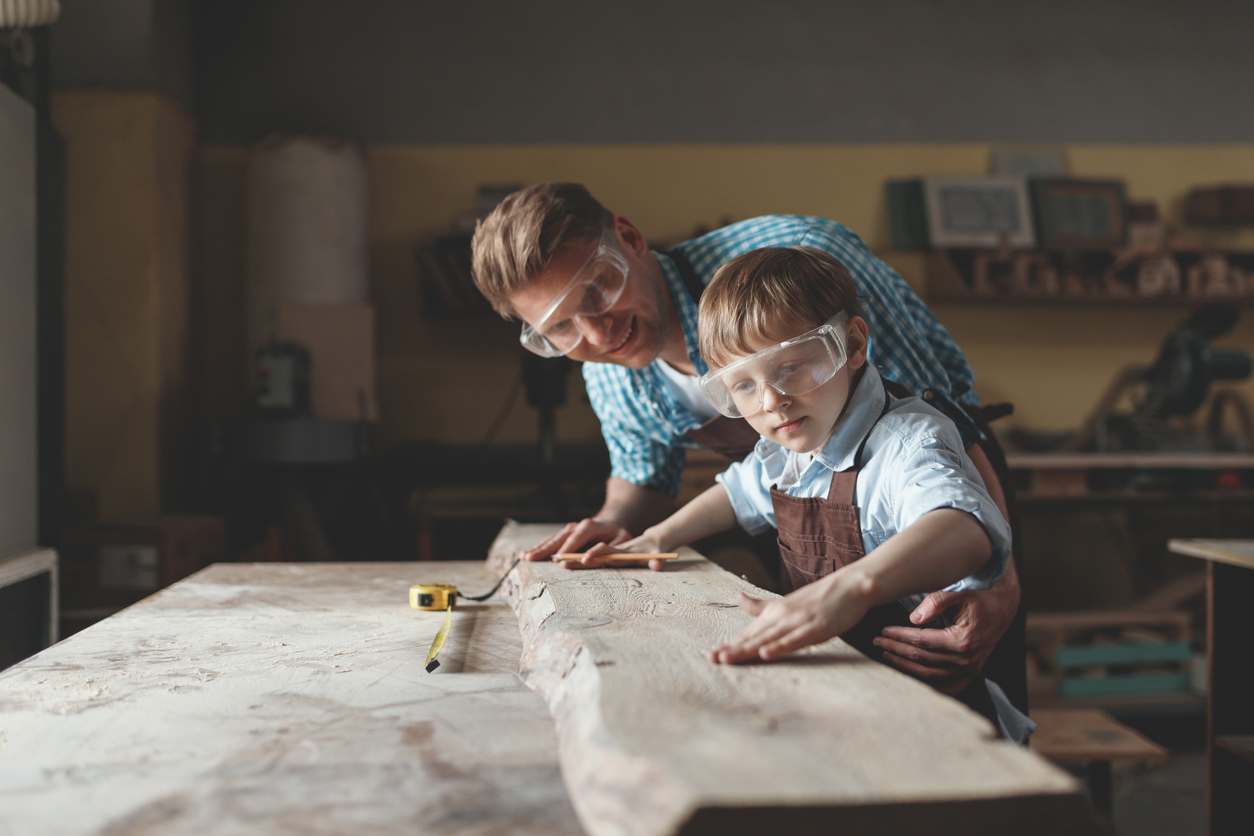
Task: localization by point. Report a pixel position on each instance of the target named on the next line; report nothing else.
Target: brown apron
(817, 536)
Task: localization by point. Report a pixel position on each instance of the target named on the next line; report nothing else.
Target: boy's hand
(647, 543)
(575, 537)
(948, 659)
(812, 614)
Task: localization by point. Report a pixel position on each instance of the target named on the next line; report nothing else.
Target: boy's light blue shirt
(644, 425)
(913, 463)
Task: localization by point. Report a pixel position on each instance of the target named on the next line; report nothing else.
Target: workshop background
(682, 116)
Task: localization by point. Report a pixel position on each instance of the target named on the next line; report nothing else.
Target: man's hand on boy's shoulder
(949, 658)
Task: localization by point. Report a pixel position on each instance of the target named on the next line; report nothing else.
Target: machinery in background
(1174, 387)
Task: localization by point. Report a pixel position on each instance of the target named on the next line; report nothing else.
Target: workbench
(283, 699)
(1230, 685)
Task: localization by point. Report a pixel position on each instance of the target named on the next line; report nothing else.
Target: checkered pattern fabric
(644, 425)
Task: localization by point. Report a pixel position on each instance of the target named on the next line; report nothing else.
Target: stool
(1094, 738)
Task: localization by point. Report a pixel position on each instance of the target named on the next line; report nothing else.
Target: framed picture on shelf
(978, 212)
(1074, 214)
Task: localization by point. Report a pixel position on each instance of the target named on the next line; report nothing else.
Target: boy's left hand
(812, 614)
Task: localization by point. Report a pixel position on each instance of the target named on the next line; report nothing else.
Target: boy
(869, 488)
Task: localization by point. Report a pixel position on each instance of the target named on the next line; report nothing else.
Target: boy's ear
(856, 342)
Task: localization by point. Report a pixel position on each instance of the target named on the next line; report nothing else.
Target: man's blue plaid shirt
(644, 425)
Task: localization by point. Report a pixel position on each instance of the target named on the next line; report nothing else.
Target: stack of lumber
(655, 739)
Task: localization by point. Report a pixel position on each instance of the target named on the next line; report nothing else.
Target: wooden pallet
(1095, 656)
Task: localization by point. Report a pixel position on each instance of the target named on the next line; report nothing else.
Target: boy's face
(803, 423)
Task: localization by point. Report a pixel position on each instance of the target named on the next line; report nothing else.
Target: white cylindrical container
(305, 227)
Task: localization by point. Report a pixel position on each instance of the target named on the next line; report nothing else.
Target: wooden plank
(1233, 552)
(1070, 735)
(655, 739)
(1150, 461)
(283, 699)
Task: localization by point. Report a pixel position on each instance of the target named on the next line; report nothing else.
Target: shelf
(1241, 745)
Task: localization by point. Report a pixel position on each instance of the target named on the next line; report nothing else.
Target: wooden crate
(108, 566)
(1103, 656)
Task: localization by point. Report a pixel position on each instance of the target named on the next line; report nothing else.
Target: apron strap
(844, 482)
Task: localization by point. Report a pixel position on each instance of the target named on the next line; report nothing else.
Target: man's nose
(597, 330)
(773, 399)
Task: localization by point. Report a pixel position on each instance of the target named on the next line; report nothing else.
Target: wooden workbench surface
(277, 699)
(656, 740)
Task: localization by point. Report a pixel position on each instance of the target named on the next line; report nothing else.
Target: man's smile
(631, 329)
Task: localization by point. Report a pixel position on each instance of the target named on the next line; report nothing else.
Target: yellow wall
(446, 380)
(126, 283)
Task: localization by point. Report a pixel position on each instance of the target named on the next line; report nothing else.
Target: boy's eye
(744, 387)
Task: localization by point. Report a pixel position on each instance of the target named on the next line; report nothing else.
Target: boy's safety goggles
(592, 291)
(793, 367)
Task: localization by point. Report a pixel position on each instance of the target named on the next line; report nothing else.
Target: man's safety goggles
(793, 367)
(592, 291)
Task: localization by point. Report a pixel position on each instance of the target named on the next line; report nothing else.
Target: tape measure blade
(440, 635)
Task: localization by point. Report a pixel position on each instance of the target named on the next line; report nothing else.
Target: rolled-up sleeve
(935, 473)
(750, 498)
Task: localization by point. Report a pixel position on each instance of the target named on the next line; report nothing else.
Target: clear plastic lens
(793, 367)
(592, 291)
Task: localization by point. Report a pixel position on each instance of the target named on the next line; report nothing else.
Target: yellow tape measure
(443, 596)
(432, 596)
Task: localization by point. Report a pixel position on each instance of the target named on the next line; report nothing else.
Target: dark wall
(125, 44)
(406, 71)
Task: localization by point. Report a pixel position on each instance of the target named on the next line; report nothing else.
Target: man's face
(631, 332)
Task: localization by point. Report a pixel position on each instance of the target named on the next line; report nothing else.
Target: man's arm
(948, 659)
(628, 508)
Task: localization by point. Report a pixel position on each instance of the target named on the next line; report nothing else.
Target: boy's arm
(939, 548)
(709, 513)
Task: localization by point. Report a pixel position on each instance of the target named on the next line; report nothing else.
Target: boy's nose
(772, 398)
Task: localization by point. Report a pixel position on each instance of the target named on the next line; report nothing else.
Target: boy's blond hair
(768, 296)
(515, 243)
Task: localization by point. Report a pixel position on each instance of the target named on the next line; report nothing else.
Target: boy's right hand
(646, 543)
(576, 537)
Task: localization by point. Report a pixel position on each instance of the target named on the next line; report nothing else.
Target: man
(585, 284)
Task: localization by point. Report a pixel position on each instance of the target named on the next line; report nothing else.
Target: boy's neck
(853, 387)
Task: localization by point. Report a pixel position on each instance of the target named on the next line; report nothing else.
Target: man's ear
(631, 238)
(856, 342)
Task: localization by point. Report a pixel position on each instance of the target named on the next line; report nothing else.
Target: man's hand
(948, 659)
(595, 557)
(577, 537)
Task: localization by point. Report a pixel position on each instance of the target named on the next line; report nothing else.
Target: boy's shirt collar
(837, 453)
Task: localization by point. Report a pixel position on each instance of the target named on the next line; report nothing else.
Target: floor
(1165, 800)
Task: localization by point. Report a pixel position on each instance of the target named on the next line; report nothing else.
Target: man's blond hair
(515, 243)
(768, 296)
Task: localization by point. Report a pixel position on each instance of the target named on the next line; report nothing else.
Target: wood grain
(654, 739)
(283, 699)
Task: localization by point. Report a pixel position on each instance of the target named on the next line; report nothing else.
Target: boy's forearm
(938, 549)
(710, 513)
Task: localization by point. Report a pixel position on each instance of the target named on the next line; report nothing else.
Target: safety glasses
(592, 291)
(793, 367)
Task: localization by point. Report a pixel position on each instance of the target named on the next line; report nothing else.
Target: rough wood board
(283, 699)
(654, 739)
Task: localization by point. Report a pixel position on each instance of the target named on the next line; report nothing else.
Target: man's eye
(557, 327)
